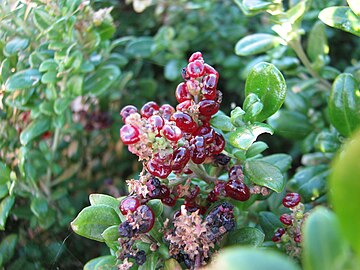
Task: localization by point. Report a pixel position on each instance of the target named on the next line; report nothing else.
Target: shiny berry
(277, 236)
(129, 204)
(184, 74)
(195, 69)
(236, 173)
(291, 200)
(194, 192)
(210, 81)
(221, 159)
(286, 219)
(149, 109)
(166, 111)
(172, 133)
(129, 134)
(184, 106)
(195, 56)
(297, 238)
(182, 93)
(157, 122)
(212, 197)
(148, 218)
(237, 190)
(208, 107)
(184, 121)
(169, 201)
(198, 154)
(181, 157)
(210, 70)
(207, 133)
(209, 93)
(126, 230)
(219, 144)
(158, 169)
(127, 110)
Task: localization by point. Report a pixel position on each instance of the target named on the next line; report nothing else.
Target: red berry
(129, 204)
(129, 134)
(195, 69)
(286, 219)
(198, 154)
(184, 121)
(194, 192)
(172, 133)
(195, 56)
(210, 81)
(184, 106)
(148, 218)
(219, 144)
(236, 173)
(297, 238)
(237, 190)
(212, 197)
(277, 236)
(157, 122)
(182, 93)
(291, 200)
(209, 93)
(210, 70)
(157, 169)
(219, 188)
(166, 111)
(181, 157)
(208, 107)
(149, 109)
(207, 133)
(127, 110)
(169, 201)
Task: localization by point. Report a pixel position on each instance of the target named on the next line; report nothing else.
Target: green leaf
(75, 85)
(296, 102)
(157, 206)
(172, 68)
(7, 247)
(103, 262)
(264, 174)
(103, 199)
(39, 206)
(92, 221)
(355, 6)
(252, 7)
(111, 236)
(252, 107)
(221, 121)
(5, 207)
(22, 80)
(61, 104)
(342, 18)
(256, 43)
(15, 45)
(172, 264)
(323, 245)
(310, 182)
(247, 258)
(345, 186)
(101, 80)
(49, 77)
(35, 129)
(42, 19)
(344, 104)
(267, 82)
(243, 137)
(140, 47)
(256, 148)
(327, 142)
(48, 65)
(317, 43)
(290, 124)
(282, 161)
(150, 263)
(269, 222)
(4, 173)
(246, 236)
(236, 117)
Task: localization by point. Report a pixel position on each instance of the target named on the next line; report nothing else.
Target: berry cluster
(167, 139)
(290, 235)
(235, 188)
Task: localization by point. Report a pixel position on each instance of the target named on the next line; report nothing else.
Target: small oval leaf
(256, 43)
(35, 129)
(22, 80)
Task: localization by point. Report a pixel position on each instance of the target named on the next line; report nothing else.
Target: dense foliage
(241, 134)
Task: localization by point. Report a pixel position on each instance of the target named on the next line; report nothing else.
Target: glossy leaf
(282, 161)
(106, 263)
(317, 43)
(157, 206)
(342, 18)
(92, 221)
(252, 107)
(264, 174)
(324, 247)
(344, 104)
(355, 6)
(246, 258)
(7, 247)
(15, 45)
(90, 265)
(256, 148)
(39, 206)
(243, 137)
(140, 47)
(252, 7)
(75, 85)
(345, 186)
(103, 199)
(4, 173)
(35, 129)
(100, 81)
(290, 124)
(269, 222)
(310, 182)
(256, 43)
(267, 82)
(61, 104)
(5, 207)
(246, 236)
(22, 80)
(221, 121)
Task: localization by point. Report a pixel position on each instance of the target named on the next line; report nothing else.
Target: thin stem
(296, 46)
(201, 173)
